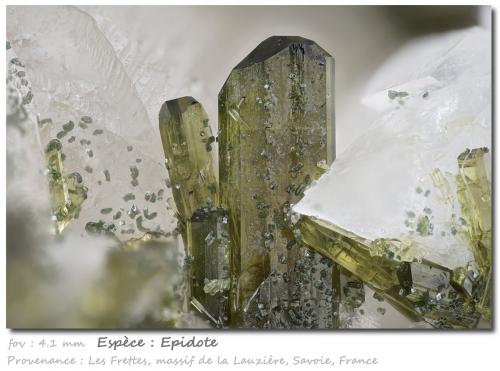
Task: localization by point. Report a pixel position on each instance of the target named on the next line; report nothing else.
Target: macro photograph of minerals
(249, 167)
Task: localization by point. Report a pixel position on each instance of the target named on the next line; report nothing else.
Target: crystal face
(67, 191)
(474, 194)
(187, 142)
(276, 124)
(207, 241)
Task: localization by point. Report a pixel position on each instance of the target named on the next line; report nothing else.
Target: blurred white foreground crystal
(398, 179)
(83, 96)
(64, 81)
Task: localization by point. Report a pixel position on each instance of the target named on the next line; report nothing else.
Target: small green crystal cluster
(420, 289)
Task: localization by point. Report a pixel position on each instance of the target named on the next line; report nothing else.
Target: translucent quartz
(83, 97)
(187, 143)
(70, 61)
(276, 125)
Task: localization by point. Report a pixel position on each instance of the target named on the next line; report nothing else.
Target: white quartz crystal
(403, 168)
(74, 73)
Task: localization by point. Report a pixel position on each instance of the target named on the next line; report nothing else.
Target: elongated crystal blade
(276, 124)
(187, 142)
(67, 191)
(474, 195)
(187, 139)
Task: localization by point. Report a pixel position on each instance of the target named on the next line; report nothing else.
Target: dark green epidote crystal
(187, 142)
(276, 124)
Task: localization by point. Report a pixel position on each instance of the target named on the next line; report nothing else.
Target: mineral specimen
(395, 227)
(187, 138)
(67, 191)
(187, 142)
(276, 124)
(474, 194)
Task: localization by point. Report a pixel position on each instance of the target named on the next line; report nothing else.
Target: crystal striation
(67, 191)
(276, 125)
(187, 139)
(187, 142)
(474, 195)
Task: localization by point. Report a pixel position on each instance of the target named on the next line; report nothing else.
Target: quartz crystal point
(67, 192)
(187, 142)
(276, 125)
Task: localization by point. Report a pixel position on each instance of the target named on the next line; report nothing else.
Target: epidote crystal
(276, 124)
(187, 138)
(474, 194)
(419, 289)
(67, 191)
(187, 142)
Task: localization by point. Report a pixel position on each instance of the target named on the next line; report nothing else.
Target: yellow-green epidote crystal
(420, 289)
(276, 124)
(187, 142)
(474, 194)
(67, 191)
